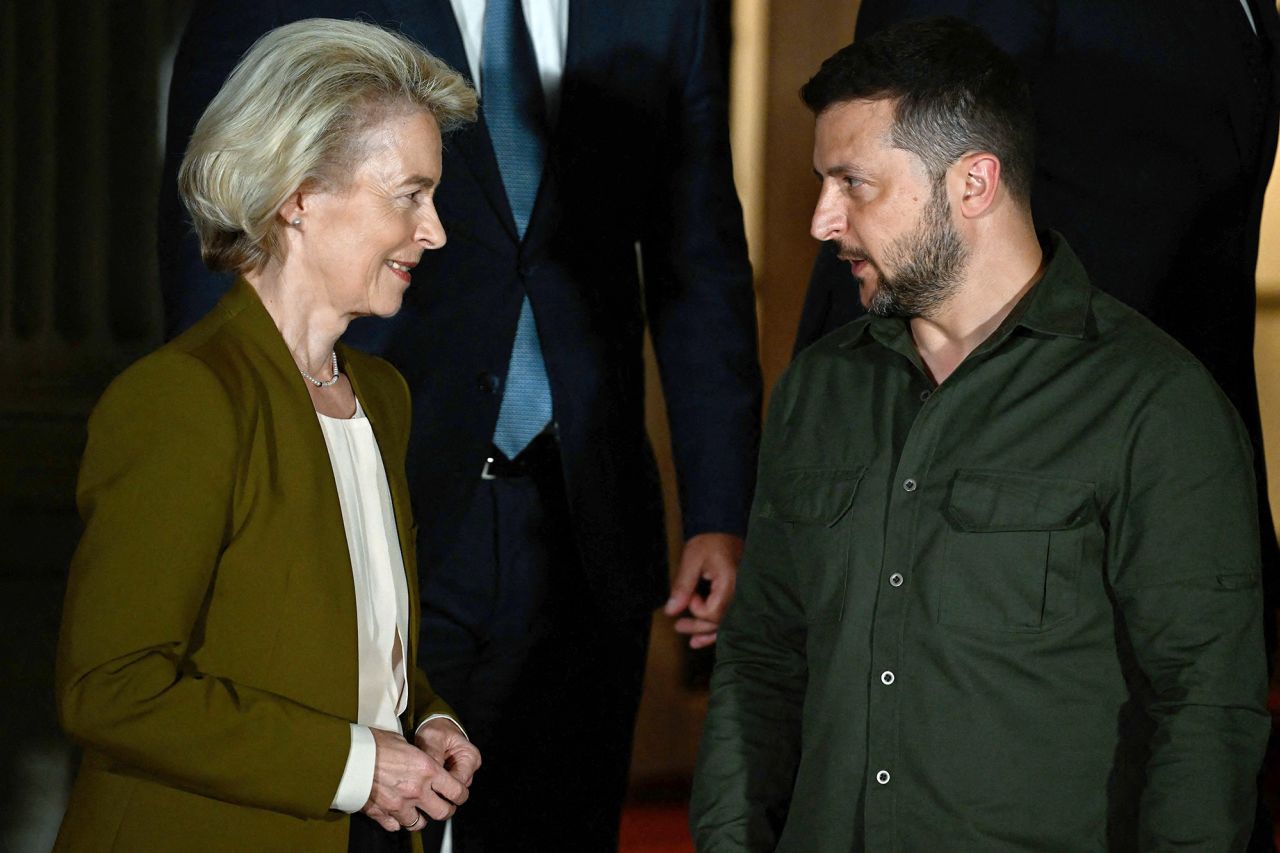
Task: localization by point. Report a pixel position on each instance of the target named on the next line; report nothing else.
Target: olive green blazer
(207, 660)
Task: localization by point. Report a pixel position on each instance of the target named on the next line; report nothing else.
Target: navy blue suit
(639, 155)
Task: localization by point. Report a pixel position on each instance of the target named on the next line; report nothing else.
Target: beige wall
(1266, 347)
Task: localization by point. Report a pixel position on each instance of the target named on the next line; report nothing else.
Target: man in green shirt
(1001, 583)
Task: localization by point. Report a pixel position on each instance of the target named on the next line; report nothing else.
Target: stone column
(82, 89)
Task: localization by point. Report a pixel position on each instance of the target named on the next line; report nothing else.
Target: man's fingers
(693, 625)
(682, 587)
(702, 641)
(717, 601)
(721, 573)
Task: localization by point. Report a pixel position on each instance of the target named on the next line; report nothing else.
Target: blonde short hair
(292, 114)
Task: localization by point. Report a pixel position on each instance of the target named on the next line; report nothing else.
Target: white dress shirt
(548, 23)
(1249, 14)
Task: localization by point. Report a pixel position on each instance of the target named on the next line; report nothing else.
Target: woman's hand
(407, 781)
(442, 740)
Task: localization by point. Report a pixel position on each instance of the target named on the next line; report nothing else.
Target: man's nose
(828, 220)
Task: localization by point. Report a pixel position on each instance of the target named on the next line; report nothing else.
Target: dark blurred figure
(1156, 134)
(603, 127)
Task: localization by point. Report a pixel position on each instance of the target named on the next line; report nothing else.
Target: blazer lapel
(588, 53)
(1267, 18)
(1234, 67)
(431, 23)
(311, 476)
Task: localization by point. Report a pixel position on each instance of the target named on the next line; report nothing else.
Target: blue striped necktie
(516, 117)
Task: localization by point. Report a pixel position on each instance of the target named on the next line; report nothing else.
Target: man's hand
(408, 783)
(712, 557)
(443, 741)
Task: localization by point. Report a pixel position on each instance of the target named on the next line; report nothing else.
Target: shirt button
(883, 777)
(886, 677)
(909, 485)
(925, 395)
(895, 579)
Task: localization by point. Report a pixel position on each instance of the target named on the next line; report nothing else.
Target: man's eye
(851, 182)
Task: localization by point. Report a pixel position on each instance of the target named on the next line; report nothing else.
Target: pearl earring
(297, 223)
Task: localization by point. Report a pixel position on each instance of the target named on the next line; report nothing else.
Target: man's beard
(927, 265)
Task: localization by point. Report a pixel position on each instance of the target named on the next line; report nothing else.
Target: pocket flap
(996, 501)
(814, 495)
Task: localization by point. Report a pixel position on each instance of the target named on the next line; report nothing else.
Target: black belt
(537, 456)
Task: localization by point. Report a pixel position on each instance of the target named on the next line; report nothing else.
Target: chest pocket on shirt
(814, 503)
(1015, 544)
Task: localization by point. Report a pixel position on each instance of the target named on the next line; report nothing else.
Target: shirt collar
(1058, 305)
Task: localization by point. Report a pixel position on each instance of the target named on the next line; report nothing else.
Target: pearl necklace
(329, 382)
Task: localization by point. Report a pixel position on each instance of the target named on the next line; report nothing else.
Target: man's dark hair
(956, 93)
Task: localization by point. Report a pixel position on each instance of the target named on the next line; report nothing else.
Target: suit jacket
(639, 155)
(1156, 130)
(208, 655)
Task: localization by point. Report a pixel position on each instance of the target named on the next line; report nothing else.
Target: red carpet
(655, 828)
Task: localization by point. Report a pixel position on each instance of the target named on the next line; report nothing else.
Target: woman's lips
(401, 269)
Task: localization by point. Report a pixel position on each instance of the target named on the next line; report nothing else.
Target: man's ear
(980, 173)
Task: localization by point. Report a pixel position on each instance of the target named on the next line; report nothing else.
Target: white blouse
(381, 593)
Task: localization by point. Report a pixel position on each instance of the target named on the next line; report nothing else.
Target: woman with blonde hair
(239, 636)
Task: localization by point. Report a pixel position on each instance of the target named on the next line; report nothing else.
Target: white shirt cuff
(357, 776)
(429, 719)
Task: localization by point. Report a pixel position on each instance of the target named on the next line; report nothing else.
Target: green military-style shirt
(1016, 611)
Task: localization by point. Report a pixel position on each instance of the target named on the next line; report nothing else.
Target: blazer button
(489, 381)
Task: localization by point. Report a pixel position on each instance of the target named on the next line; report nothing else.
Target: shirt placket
(889, 670)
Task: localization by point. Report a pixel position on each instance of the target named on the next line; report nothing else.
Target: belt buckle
(484, 472)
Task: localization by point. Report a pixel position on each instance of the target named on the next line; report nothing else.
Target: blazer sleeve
(699, 296)
(218, 33)
(155, 493)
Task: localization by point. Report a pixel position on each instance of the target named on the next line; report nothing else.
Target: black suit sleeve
(699, 297)
(217, 35)
(1021, 28)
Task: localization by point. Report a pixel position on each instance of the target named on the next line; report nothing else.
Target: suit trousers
(545, 683)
